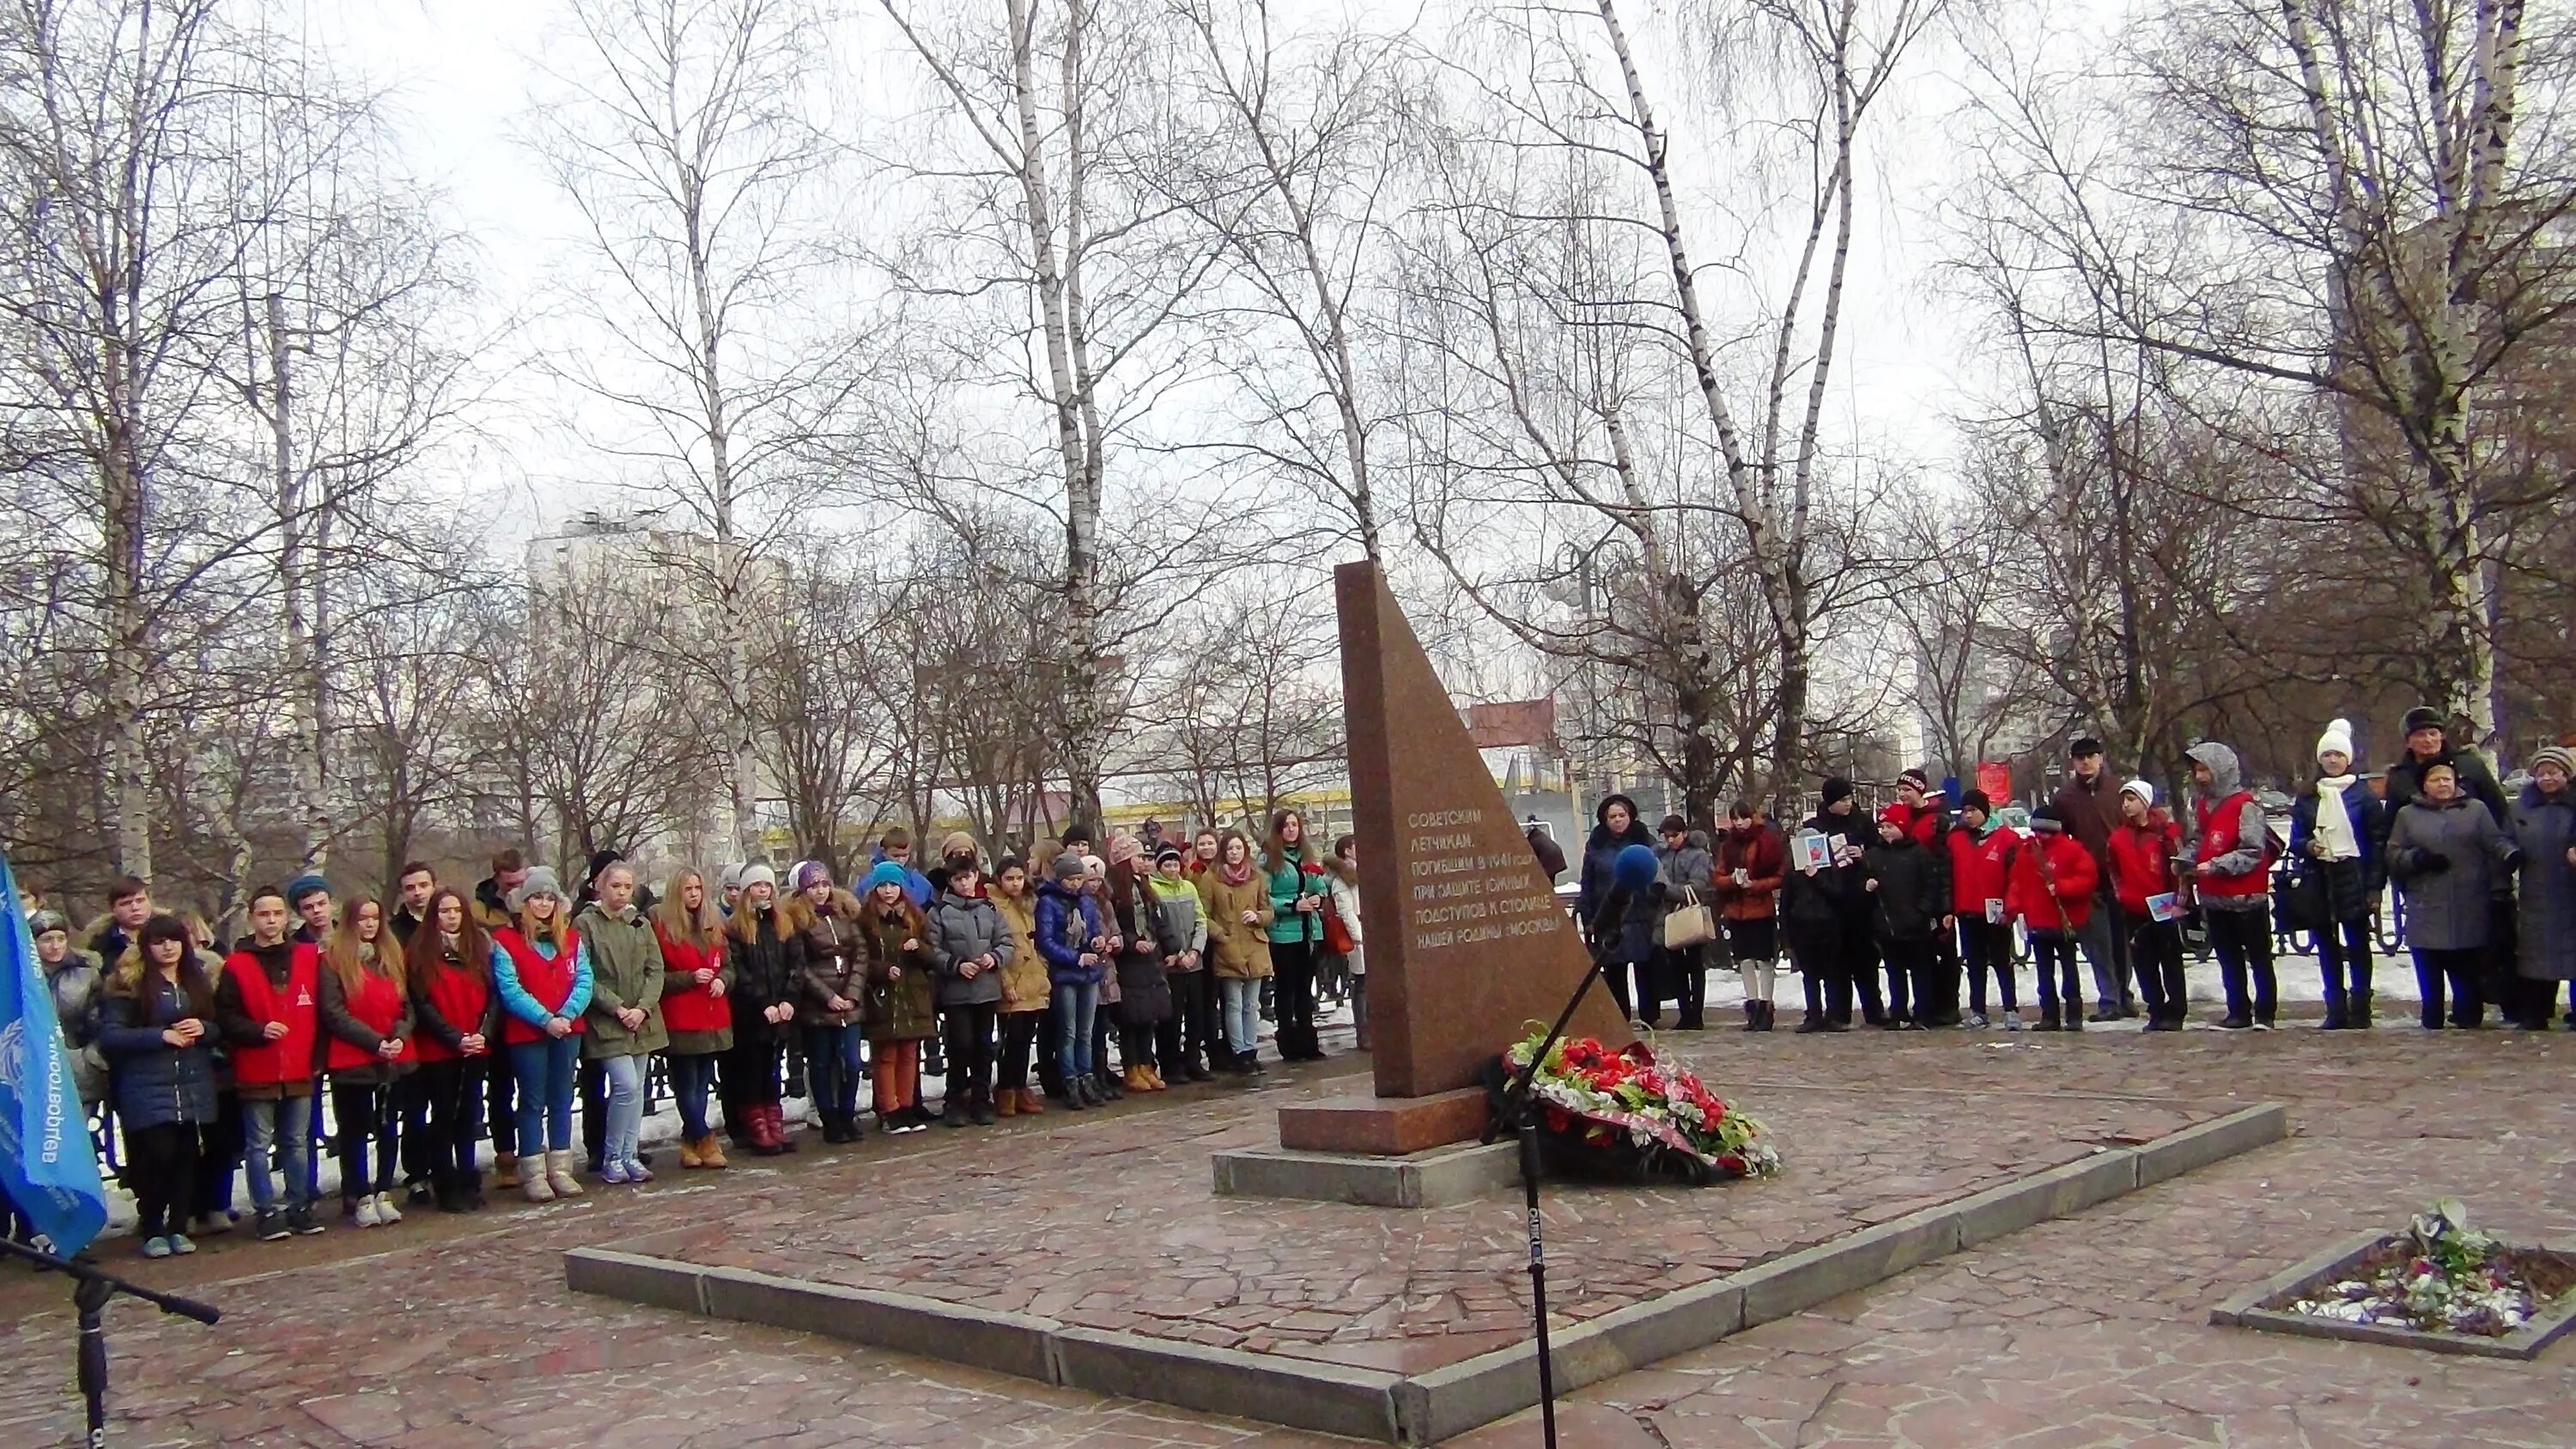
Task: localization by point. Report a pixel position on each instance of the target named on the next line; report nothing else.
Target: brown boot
(1154, 1080)
(689, 1154)
(710, 1152)
(1135, 1079)
(1031, 1103)
(1006, 1104)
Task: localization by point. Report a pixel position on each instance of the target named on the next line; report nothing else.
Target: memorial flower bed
(2441, 1275)
(1625, 1113)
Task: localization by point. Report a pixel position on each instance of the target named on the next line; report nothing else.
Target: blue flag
(47, 1163)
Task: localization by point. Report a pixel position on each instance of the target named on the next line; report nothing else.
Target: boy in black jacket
(1907, 898)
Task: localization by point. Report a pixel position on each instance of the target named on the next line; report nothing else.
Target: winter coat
(2142, 859)
(831, 960)
(1346, 917)
(2028, 896)
(903, 986)
(1064, 926)
(963, 929)
(762, 950)
(2450, 861)
(1977, 865)
(1298, 872)
(2230, 835)
(2091, 812)
(491, 909)
(536, 986)
(1601, 852)
(1690, 869)
(1144, 992)
(350, 1045)
(699, 1021)
(2544, 826)
(1180, 926)
(1236, 951)
(1912, 895)
(151, 1082)
(1832, 894)
(626, 971)
(1024, 976)
(2351, 885)
(2405, 785)
(1763, 855)
(78, 986)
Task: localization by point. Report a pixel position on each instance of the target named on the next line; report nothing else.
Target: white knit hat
(2145, 792)
(756, 873)
(2337, 739)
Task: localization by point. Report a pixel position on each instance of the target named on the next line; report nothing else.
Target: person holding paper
(2142, 885)
(1827, 915)
(1979, 850)
(2049, 889)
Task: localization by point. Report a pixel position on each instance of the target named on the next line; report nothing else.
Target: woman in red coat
(2049, 889)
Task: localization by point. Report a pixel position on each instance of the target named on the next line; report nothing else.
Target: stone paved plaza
(2087, 1330)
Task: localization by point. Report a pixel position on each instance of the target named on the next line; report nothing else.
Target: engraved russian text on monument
(1461, 894)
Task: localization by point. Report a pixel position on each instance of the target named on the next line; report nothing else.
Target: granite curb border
(1434, 1178)
(1425, 1407)
(2246, 1310)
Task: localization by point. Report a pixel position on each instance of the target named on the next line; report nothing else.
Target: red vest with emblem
(377, 1004)
(289, 1059)
(692, 1008)
(2218, 837)
(548, 979)
(462, 993)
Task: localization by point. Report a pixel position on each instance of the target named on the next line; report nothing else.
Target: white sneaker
(386, 1212)
(2012, 1021)
(1977, 1020)
(366, 1216)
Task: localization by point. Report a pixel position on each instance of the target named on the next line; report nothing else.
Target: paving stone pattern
(2086, 1331)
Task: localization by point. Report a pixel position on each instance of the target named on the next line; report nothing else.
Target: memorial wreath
(1625, 1114)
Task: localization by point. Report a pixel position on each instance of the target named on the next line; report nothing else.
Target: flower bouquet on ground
(2443, 1275)
(1627, 1116)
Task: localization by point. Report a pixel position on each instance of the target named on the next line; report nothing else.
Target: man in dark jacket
(129, 905)
(1824, 907)
(2089, 804)
(2427, 745)
(1927, 823)
(412, 888)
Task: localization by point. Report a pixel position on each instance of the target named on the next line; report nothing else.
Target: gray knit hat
(754, 874)
(2558, 755)
(40, 922)
(540, 882)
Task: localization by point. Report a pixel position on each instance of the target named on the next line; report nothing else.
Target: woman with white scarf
(2339, 844)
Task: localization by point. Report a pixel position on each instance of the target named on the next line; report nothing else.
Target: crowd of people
(445, 1019)
(444, 1022)
(1936, 890)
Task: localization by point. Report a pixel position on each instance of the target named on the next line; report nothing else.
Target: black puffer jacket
(1911, 895)
(1601, 851)
(764, 954)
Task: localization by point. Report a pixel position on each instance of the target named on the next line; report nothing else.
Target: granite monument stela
(1467, 942)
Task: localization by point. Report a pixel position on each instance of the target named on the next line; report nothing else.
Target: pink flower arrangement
(1603, 1098)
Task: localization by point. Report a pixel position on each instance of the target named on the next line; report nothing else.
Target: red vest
(2141, 862)
(378, 1006)
(691, 1007)
(1977, 870)
(288, 1060)
(549, 980)
(2217, 838)
(462, 993)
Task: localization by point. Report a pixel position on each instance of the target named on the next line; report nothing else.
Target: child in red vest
(269, 1009)
(2143, 847)
(543, 977)
(456, 1034)
(367, 1026)
(2049, 889)
(2231, 875)
(1979, 849)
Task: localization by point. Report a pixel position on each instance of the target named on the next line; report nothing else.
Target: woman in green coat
(1299, 893)
(624, 1028)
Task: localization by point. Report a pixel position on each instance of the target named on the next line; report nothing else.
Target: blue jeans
(1074, 1009)
(1239, 1009)
(543, 1072)
(692, 1078)
(625, 1107)
(833, 1070)
(285, 1123)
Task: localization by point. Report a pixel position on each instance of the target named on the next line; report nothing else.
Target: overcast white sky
(463, 73)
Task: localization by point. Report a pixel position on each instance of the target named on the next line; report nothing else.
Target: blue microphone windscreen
(1634, 868)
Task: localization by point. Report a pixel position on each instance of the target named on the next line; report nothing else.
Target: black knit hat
(1976, 800)
(1834, 789)
(2425, 717)
(1915, 777)
(2046, 820)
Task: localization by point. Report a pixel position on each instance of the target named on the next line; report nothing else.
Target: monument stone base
(1440, 1177)
(1384, 1126)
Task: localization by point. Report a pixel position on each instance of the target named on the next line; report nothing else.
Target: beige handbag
(1688, 924)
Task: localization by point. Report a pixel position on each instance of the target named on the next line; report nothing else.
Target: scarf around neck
(1236, 875)
(2334, 823)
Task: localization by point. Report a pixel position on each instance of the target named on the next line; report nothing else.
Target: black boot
(2047, 1019)
(1753, 1016)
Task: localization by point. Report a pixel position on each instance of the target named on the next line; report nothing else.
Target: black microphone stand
(1517, 1117)
(91, 1290)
